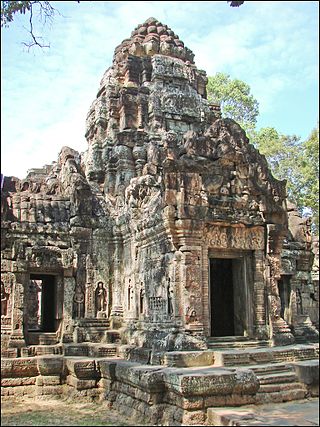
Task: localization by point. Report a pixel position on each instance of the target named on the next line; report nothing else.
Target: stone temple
(164, 269)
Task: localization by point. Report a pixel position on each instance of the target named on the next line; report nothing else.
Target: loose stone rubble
(163, 269)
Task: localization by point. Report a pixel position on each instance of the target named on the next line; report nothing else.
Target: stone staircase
(42, 338)
(278, 383)
(237, 342)
(275, 368)
(92, 330)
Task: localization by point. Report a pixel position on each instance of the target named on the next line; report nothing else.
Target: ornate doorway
(42, 303)
(230, 295)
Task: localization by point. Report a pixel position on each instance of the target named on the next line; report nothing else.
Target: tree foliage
(296, 161)
(308, 190)
(281, 152)
(235, 99)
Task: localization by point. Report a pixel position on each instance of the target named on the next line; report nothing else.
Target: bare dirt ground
(54, 412)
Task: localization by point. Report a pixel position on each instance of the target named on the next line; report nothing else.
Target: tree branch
(49, 12)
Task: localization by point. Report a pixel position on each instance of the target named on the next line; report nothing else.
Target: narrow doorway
(42, 303)
(284, 288)
(222, 297)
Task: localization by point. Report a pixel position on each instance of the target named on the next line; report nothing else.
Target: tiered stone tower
(168, 243)
(167, 232)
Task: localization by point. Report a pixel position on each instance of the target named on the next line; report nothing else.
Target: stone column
(17, 338)
(280, 331)
(260, 292)
(67, 329)
(191, 276)
(89, 289)
(117, 308)
(205, 290)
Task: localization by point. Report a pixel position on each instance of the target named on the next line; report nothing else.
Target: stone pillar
(191, 284)
(67, 329)
(17, 339)
(205, 290)
(279, 329)
(59, 304)
(260, 292)
(89, 289)
(116, 314)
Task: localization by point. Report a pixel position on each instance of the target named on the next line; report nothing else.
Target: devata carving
(4, 300)
(170, 221)
(101, 300)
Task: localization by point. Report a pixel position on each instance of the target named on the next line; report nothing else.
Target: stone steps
(298, 393)
(278, 378)
(237, 344)
(278, 383)
(276, 387)
(42, 350)
(94, 323)
(90, 350)
(42, 338)
(269, 369)
(270, 355)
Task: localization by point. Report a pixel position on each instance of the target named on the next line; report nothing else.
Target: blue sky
(46, 94)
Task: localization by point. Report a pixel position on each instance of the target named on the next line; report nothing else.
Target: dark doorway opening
(42, 303)
(284, 288)
(222, 297)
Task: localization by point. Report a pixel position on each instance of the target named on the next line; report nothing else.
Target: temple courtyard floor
(60, 412)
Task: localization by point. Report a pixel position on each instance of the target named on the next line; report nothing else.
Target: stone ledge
(181, 359)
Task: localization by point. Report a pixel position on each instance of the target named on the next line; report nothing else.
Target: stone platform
(168, 388)
(295, 413)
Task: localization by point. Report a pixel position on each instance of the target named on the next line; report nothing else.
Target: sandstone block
(49, 390)
(50, 365)
(107, 368)
(22, 367)
(188, 359)
(14, 382)
(147, 377)
(48, 380)
(82, 369)
(211, 381)
(188, 403)
(80, 384)
(307, 371)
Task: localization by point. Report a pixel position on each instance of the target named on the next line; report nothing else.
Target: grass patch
(57, 413)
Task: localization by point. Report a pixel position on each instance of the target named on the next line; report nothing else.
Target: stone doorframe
(234, 242)
(59, 300)
(246, 259)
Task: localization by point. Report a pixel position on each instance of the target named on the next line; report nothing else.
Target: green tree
(235, 100)
(297, 162)
(308, 194)
(281, 152)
